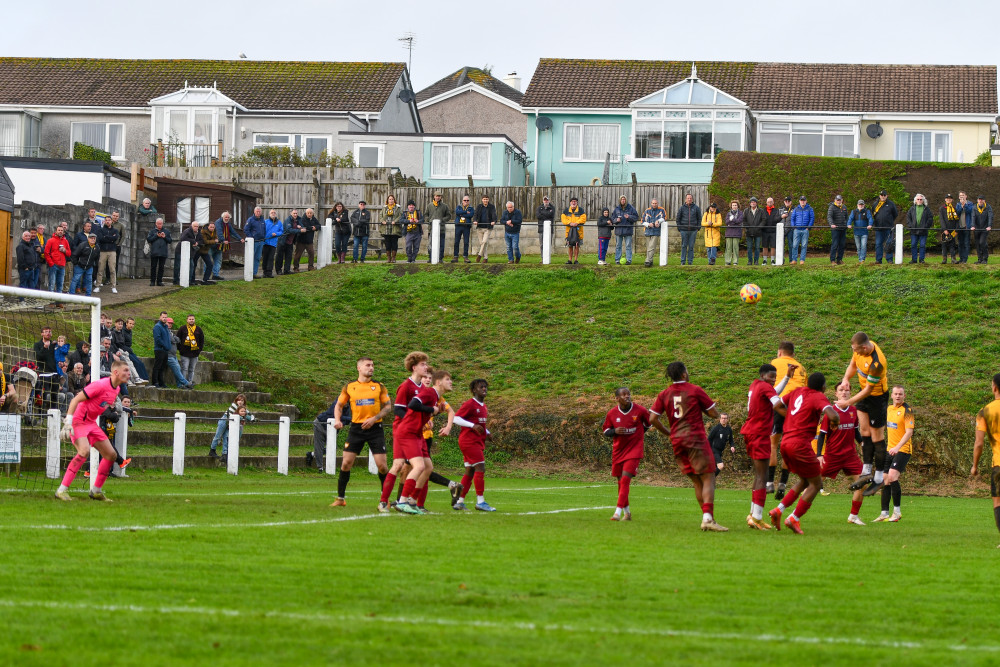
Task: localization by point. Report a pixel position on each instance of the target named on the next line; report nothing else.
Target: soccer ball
(750, 293)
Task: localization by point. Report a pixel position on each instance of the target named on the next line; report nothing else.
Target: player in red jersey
(684, 404)
(626, 424)
(805, 406)
(762, 402)
(410, 444)
(839, 447)
(472, 439)
(81, 417)
(416, 364)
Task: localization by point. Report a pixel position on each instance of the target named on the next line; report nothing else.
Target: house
(473, 101)
(196, 112)
(665, 121)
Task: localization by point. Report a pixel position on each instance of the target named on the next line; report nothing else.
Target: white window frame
(824, 131)
(290, 143)
(107, 136)
(933, 133)
(566, 126)
(379, 146)
(461, 177)
(213, 134)
(716, 116)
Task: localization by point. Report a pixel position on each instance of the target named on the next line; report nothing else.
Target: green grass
(187, 571)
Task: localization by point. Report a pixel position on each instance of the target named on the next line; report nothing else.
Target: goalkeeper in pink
(81, 417)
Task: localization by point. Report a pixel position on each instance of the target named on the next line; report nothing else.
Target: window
(460, 160)
(186, 215)
(923, 145)
(308, 145)
(369, 155)
(701, 138)
(590, 143)
(825, 139)
(108, 137)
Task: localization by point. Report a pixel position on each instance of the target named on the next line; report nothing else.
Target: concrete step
(227, 376)
(205, 371)
(246, 385)
(204, 438)
(281, 411)
(149, 393)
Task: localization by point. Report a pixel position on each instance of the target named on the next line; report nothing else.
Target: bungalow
(473, 101)
(665, 121)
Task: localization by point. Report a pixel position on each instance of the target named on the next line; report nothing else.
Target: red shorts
(801, 459)
(473, 454)
(695, 460)
(758, 446)
(848, 463)
(409, 447)
(89, 430)
(628, 467)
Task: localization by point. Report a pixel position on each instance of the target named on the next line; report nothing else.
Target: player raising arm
(81, 418)
(684, 403)
(762, 402)
(869, 364)
(472, 439)
(626, 424)
(988, 427)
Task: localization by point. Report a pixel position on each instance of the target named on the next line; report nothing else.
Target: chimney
(513, 80)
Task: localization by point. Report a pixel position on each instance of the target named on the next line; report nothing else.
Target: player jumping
(626, 424)
(784, 361)
(762, 403)
(872, 401)
(838, 443)
(472, 439)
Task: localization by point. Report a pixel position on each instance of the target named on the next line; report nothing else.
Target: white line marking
(366, 491)
(497, 625)
(571, 509)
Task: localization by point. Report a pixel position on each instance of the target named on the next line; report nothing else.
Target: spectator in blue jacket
(653, 219)
(274, 228)
(965, 208)
(161, 347)
(803, 217)
(255, 228)
(464, 214)
(511, 220)
(623, 218)
(227, 232)
(860, 220)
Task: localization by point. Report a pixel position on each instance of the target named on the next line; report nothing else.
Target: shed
(6, 214)
(182, 202)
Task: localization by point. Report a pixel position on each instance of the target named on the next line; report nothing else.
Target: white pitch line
(571, 509)
(365, 491)
(523, 626)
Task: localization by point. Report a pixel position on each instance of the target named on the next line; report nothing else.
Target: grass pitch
(213, 569)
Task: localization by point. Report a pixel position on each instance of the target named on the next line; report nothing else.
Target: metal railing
(19, 150)
(173, 154)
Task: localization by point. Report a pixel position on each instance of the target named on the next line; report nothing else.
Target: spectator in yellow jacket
(712, 224)
(573, 217)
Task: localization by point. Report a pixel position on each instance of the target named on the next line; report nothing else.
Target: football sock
(342, 480)
(381, 478)
(103, 470)
(390, 481)
(996, 516)
(897, 495)
(623, 485)
(409, 488)
(781, 506)
(770, 473)
(879, 458)
(480, 499)
(479, 479)
(421, 496)
(866, 469)
(708, 510)
(801, 508)
(440, 479)
(878, 476)
(867, 453)
(618, 511)
(466, 481)
(120, 459)
(758, 497)
(74, 467)
(628, 509)
(784, 475)
(790, 497)
(886, 495)
(399, 491)
(855, 507)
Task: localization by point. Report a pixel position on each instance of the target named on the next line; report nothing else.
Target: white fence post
(53, 426)
(233, 461)
(331, 448)
(324, 251)
(180, 420)
(284, 431)
(95, 462)
(779, 243)
(372, 466)
(185, 269)
(663, 243)
(121, 443)
(248, 259)
(435, 241)
(547, 242)
(899, 244)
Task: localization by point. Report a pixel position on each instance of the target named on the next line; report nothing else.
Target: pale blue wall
(497, 170)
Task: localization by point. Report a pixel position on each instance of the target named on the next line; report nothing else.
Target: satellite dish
(406, 96)
(543, 123)
(874, 130)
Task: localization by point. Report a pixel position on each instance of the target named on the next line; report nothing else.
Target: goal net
(42, 336)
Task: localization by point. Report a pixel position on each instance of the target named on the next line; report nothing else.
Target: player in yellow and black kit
(797, 380)
(988, 428)
(869, 364)
(369, 403)
(899, 428)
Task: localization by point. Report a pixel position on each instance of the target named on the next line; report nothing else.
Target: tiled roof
(771, 86)
(256, 84)
(470, 75)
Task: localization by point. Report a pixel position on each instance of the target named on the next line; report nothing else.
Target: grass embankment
(554, 342)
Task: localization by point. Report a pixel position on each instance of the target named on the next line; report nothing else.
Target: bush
(284, 156)
(85, 152)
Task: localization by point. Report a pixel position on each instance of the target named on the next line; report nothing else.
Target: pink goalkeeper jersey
(99, 395)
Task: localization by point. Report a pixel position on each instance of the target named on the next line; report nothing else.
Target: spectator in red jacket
(57, 252)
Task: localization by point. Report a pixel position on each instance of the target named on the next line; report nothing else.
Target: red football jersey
(404, 395)
(760, 409)
(413, 422)
(628, 446)
(475, 412)
(840, 441)
(683, 404)
(805, 407)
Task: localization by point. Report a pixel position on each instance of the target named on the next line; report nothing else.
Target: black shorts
(995, 482)
(899, 462)
(358, 437)
(779, 424)
(875, 407)
(767, 240)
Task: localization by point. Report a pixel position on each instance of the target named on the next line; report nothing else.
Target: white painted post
(95, 462)
(899, 244)
(325, 243)
(779, 243)
(180, 419)
(248, 259)
(372, 466)
(185, 270)
(121, 443)
(331, 448)
(233, 462)
(53, 426)
(435, 241)
(284, 431)
(547, 242)
(663, 243)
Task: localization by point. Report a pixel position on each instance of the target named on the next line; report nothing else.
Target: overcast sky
(509, 35)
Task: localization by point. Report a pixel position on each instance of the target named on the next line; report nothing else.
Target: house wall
(395, 115)
(503, 170)
(968, 140)
(55, 133)
(286, 125)
(52, 188)
(473, 113)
